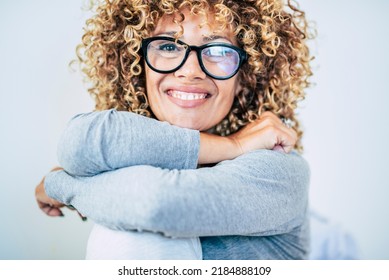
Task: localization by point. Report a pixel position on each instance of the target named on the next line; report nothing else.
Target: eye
(168, 47)
(218, 53)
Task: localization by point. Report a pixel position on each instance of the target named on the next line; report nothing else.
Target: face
(188, 97)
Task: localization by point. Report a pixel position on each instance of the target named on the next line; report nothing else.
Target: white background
(344, 117)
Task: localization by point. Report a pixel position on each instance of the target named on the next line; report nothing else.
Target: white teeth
(187, 96)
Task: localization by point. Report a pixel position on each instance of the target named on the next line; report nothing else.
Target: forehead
(187, 24)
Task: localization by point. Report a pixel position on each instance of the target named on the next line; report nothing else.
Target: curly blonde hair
(273, 34)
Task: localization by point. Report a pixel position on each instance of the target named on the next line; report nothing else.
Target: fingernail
(84, 219)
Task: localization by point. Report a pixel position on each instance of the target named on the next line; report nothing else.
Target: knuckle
(268, 122)
(271, 130)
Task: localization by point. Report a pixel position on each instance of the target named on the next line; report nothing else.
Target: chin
(190, 124)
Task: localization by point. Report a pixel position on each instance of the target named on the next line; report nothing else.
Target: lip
(187, 96)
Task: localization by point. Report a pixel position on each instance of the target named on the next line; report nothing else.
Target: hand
(267, 132)
(48, 205)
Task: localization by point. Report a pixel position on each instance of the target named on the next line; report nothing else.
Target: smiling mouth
(190, 96)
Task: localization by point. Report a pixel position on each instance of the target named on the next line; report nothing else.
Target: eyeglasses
(218, 60)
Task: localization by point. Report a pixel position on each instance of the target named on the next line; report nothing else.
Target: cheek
(152, 85)
(227, 93)
(149, 77)
(229, 90)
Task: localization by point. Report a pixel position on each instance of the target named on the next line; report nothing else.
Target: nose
(191, 69)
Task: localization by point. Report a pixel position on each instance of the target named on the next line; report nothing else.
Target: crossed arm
(103, 141)
(258, 193)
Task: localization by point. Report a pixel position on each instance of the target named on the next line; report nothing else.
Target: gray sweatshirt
(129, 172)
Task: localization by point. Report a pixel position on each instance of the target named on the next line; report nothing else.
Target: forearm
(214, 148)
(260, 193)
(102, 141)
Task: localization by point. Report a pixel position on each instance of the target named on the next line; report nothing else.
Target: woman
(220, 67)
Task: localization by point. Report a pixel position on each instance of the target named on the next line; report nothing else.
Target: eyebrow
(206, 38)
(209, 38)
(168, 33)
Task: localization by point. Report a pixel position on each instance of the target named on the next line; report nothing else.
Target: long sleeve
(103, 141)
(259, 193)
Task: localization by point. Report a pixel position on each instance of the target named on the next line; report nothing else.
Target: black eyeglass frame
(242, 55)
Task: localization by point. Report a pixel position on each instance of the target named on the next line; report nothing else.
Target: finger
(278, 135)
(292, 135)
(279, 148)
(55, 212)
(270, 119)
(42, 202)
(277, 120)
(270, 116)
(287, 139)
(266, 119)
(51, 211)
(286, 126)
(290, 132)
